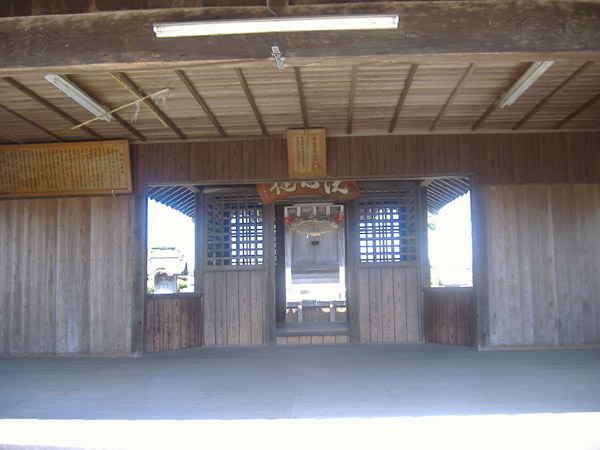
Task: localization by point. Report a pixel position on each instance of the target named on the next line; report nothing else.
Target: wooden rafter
(11, 138)
(400, 104)
(250, 98)
(301, 96)
(139, 93)
(351, 102)
(45, 103)
(578, 111)
(551, 95)
(453, 96)
(119, 119)
(33, 124)
(192, 90)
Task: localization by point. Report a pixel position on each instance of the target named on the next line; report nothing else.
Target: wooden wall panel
(494, 159)
(234, 307)
(66, 276)
(449, 315)
(543, 252)
(172, 323)
(389, 304)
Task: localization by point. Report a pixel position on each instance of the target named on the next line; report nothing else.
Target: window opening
(234, 230)
(450, 244)
(388, 226)
(170, 252)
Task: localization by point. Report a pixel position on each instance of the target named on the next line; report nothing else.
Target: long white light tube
(276, 25)
(78, 95)
(535, 71)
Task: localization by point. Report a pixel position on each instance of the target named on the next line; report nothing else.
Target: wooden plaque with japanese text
(69, 168)
(306, 154)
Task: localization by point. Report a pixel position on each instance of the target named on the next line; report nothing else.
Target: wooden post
(270, 313)
(138, 285)
(481, 317)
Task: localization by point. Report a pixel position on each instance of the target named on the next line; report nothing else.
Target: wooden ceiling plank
(33, 124)
(400, 104)
(139, 93)
(301, 96)
(250, 98)
(453, 96)
(192, 90)
(129, 127)
(45, 103)
(352, 95)
(578, 111)
(551, 95)
(13, 139)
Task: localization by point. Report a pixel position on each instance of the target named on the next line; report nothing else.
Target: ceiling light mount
(72, 90)
(276, 25)
(530, 76)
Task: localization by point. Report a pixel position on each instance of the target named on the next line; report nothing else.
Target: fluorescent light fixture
(276, 25)
(527, 79)
(73, 91)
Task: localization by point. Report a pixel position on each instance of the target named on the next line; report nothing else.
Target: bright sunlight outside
(450, 244)
(170, 250)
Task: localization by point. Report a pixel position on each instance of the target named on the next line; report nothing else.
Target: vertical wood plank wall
(448, 315)
(65, 277)
(389, 304)
(543, 247)
(172, 322)
(492, 159)
(234, 308)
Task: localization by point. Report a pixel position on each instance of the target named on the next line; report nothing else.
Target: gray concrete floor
(329, 382)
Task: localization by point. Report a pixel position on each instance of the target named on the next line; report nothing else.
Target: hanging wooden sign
(70, 168)
(306, 154)
(337, 190)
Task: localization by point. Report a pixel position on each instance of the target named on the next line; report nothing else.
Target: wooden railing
(449, 315)
(173, 322)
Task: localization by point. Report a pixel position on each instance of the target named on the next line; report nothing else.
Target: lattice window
(388, 225)
(234, 230)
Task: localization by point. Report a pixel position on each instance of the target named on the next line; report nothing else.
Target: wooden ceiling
(347, 82)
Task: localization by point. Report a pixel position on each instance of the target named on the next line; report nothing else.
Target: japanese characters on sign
(306, 153)
(75, 168)
(337, 190)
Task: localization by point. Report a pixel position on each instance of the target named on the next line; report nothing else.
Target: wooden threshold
(312, 329)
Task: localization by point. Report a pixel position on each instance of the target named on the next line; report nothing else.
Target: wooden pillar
(138, 285)
(481, 319)
(269, 247)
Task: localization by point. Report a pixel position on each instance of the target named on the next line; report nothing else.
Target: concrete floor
(343, 384)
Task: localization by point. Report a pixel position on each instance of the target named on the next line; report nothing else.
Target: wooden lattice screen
(234, 230)
(388, 225)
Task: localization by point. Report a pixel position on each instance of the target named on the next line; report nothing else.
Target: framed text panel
(306, 154)
(69, 168)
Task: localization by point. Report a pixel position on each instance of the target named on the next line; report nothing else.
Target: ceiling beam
(501, 28)
(30, 122)
(13, 139)
(250, 98)
(301, 96)
(578, 111)
(139, 93)
(455, 92)
(351, 102)
(400, 104)
(551, 95)
(45, 103)
(192, 90)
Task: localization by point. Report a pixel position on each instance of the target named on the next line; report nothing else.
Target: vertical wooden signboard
(306, 154)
